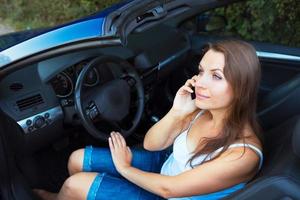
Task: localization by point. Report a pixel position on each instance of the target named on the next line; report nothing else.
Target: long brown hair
(242, 71)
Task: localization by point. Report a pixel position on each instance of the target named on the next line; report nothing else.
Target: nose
(201, 81)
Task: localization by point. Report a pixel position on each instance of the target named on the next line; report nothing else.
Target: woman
(216, 148)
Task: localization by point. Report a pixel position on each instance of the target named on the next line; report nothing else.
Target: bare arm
(162, 134)
(210, 177)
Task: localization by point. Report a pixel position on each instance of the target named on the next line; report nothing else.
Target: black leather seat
(280, 175)
(280, 104)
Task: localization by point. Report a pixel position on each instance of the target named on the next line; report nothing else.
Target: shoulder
(250, 137)
(246, 154)
(235, 163)
(242, 158)
(241, 155)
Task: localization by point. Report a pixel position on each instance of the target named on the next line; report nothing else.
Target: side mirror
(210, 23)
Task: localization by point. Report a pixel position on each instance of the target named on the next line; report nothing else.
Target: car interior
(48, 107)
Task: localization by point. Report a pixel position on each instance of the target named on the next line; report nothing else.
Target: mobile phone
(193, 95)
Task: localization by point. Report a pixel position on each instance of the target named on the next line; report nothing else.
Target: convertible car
(67, 87)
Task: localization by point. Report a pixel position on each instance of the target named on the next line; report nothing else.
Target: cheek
(222, 92)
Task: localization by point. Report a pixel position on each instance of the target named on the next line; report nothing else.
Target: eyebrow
(216, 69)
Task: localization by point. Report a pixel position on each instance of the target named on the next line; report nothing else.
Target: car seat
(279, 177)
(281, 103)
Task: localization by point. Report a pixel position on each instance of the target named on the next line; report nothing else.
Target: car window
(275, 21)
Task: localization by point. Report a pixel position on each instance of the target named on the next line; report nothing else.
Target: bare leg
(76, 187)
(75, 162)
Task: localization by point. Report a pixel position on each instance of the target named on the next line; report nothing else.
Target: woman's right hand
(183, 103)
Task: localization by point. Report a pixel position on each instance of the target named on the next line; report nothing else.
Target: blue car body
(84, 29)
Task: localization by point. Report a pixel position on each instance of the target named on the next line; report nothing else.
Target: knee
(76, 161)
(71, 187)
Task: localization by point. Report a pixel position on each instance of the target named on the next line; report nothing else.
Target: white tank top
(177, 161)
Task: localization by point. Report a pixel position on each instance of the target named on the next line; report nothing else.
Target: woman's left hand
(120, 152)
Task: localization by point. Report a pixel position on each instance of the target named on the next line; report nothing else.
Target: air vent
(16, 87)
(30, 102)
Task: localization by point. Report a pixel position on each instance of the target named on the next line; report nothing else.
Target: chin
(202, 106)
(208, 106)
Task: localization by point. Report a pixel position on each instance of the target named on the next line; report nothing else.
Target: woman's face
(213, 92)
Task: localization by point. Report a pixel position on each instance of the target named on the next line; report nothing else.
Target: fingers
(129, 150)
(195, 77)
(116, 140)
(122, 140)
(191, 82)
(111, 145)
(188, 89)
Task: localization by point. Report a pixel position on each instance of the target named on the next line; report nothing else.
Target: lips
(201, 96)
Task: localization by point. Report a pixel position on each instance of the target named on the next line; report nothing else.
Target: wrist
(124, 170)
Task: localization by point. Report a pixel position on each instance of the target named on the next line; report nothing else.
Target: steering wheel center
(113, 100)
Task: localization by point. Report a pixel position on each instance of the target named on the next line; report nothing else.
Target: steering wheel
(111, 101)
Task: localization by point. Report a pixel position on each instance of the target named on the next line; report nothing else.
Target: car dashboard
(40, 97)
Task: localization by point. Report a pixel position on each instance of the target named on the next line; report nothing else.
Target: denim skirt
(109, 184)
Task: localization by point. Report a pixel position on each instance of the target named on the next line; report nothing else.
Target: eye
(217, 77)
